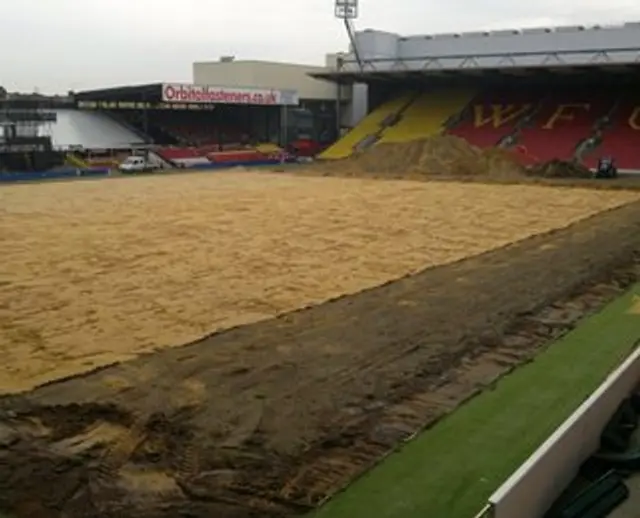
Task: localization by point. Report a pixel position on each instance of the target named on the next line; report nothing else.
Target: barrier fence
(51, 175)
(228, 165)
(93, 172)
(533, 488)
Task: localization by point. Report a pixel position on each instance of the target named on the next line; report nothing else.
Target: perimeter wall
(265, 74)
(571, 45)
(533, 488)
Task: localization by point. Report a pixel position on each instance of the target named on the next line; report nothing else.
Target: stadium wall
(265, 74)
(288, 76)
(533, 488)
(19, 177)
(357, 107)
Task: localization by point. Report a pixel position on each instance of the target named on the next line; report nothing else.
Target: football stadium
(401, 285)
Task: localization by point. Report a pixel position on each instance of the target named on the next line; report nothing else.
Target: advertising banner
(205, 94)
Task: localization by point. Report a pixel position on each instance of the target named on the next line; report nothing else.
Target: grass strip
(450, 470)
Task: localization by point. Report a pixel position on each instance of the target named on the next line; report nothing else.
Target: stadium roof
(568, 74)
(542, 52)
(140, 93)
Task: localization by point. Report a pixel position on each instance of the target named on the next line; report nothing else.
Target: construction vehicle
(606, 168)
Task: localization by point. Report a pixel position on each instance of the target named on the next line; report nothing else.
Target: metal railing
(604, 53)
(485, 513)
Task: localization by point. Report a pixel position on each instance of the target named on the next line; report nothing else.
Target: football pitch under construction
(326, 320)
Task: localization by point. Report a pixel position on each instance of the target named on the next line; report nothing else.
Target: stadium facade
(509, 51)
(565, 93)
(272, 101)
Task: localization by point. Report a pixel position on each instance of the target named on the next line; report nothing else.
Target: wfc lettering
(499, 115)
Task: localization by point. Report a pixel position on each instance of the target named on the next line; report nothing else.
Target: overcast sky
(56, 45)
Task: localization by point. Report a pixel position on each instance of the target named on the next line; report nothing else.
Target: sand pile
(440, 155)
(560, 169)
(452, 158)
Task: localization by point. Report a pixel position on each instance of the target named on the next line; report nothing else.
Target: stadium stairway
(426, 115)
(369, 126)
(561, 125)
(621, 139)
(75, 161)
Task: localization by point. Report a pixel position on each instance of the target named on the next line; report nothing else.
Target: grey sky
(56, 45)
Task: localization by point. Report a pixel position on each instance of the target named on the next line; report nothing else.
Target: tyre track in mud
(269, 419)
(363, 445)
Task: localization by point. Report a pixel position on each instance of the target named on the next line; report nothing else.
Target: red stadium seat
(247, 155)
(561, 124)
(493, 116)
(176, 153)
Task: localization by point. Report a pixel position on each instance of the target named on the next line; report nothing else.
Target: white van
(137, 164)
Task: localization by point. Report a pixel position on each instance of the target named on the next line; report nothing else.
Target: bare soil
(447, 157)
(560, 169)
(431, 157)
(267, 419)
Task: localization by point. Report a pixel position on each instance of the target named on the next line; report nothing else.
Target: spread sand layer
(101, 271)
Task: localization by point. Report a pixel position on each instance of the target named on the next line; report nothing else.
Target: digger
(606, 168)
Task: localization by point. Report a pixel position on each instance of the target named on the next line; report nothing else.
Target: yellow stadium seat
(369, 125)
(268, 147)
(426, 115)
(75, 161)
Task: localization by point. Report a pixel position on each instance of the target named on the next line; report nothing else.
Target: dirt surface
(148, 263)
(559, 169)
(433, 156)
(267, 419)
(446, 157)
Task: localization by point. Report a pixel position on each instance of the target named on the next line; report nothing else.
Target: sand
(97, 272)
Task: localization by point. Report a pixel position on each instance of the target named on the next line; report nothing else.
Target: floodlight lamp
(346, 9)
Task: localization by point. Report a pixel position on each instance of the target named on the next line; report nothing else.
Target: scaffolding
(25, 126)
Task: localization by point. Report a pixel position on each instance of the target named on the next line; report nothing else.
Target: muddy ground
(268, 419)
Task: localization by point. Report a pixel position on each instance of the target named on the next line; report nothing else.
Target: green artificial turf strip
(450, 470)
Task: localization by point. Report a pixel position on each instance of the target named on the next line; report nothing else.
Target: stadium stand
(203, 134)
(621, 137)
(426, 115)
(544, 92)
(91, 130)
(494, 115)
(184, 128)
(561, 124)
(370, 125)
(193, 156)
(540, 103)
(182, 156)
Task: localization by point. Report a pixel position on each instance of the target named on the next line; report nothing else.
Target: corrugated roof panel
(90, 130)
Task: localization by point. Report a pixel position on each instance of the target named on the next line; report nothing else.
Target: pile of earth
(442, 155)
(559, 169)
(449, 156)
